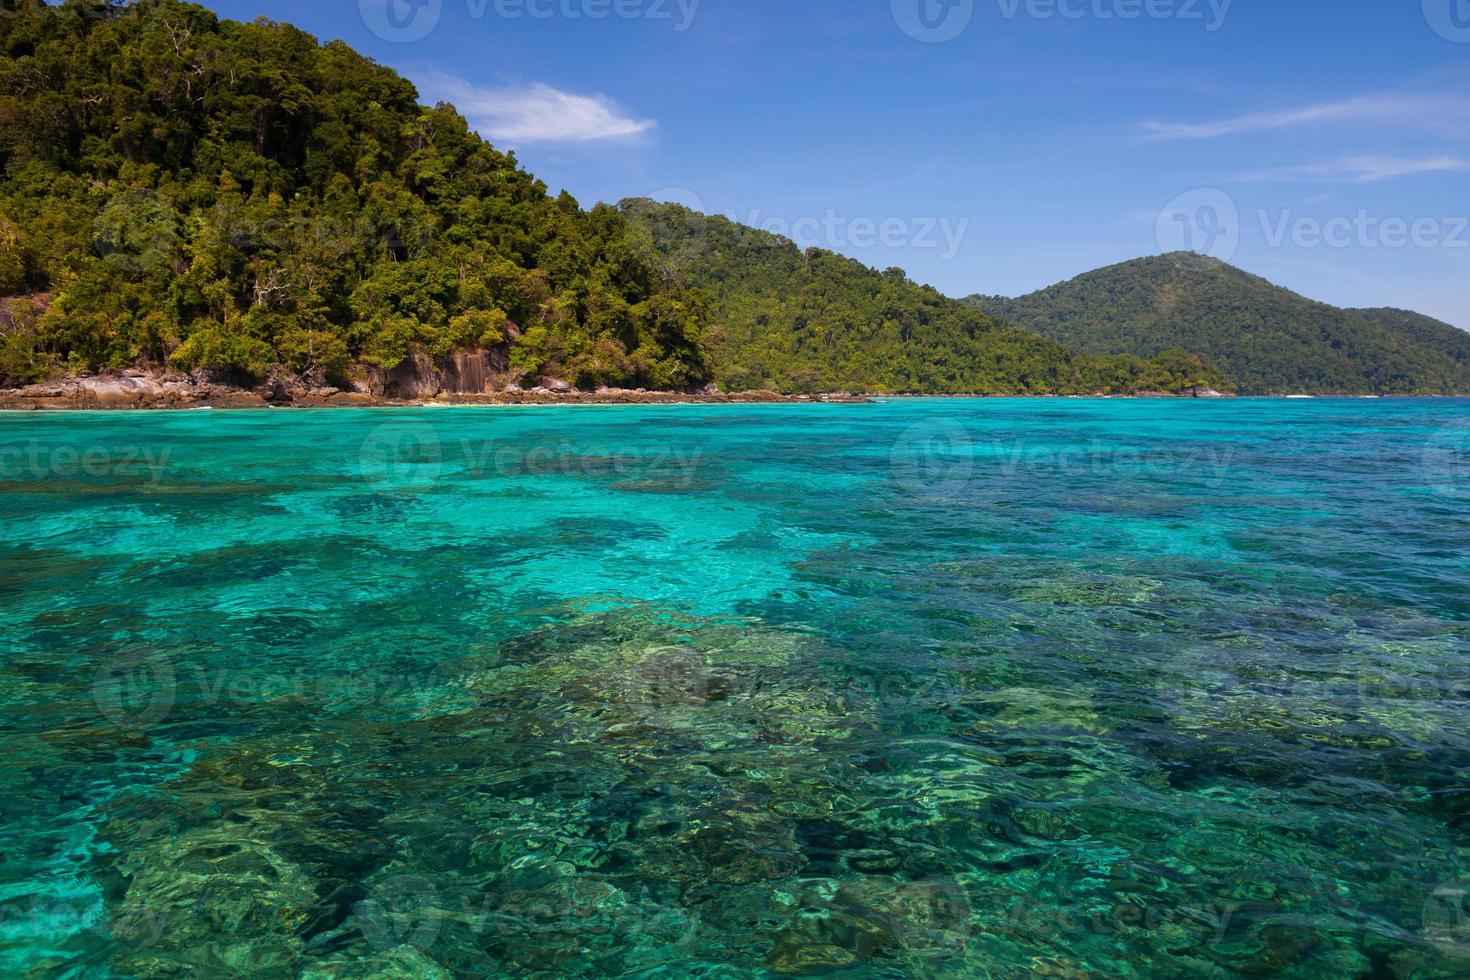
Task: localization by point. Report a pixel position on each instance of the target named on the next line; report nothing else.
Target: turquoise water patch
(922, 688)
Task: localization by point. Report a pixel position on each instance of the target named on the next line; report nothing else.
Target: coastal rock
(464, 379)
(415, 378)
(127, 391)
(470, 372)
(124, 392)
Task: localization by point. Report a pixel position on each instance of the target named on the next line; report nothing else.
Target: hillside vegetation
(811, 320)
(241, 201)
(234, 196)
(1269, 339)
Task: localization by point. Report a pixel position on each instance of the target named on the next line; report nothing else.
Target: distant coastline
(14, 401)
(139, 391)
(143, 391)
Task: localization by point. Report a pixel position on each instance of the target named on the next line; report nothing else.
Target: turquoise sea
(981, 688)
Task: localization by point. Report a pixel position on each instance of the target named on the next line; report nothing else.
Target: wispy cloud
(536, 113)
(1362, 169)
(1434, 111)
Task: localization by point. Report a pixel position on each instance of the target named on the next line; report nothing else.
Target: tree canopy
(1269, 339)
(234, 196)
(239, 198)
(795, 320)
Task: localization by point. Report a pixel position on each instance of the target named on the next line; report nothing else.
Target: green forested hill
(234, 196)
(184, 190)
(811, 320)
(1270, 340)
(1436, 334)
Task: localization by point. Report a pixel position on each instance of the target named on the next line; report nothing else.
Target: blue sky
(986, 145)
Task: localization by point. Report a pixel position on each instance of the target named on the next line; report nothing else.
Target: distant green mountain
(1269, 339)
(794, 320)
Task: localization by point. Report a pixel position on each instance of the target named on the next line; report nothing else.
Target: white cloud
(1437, 112)
(536, 113)
(1362, 169)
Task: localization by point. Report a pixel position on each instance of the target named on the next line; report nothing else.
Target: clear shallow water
(987, 688)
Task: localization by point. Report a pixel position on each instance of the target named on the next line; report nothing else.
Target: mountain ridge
(850, 327)
(1271, 340)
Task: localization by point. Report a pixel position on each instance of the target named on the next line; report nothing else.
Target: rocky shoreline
(141, 390)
